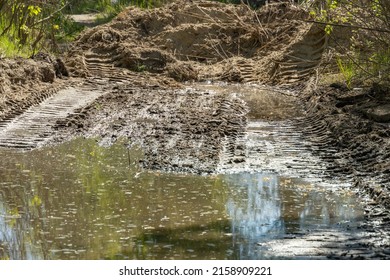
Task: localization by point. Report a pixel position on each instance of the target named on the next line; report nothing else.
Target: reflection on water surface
(82, 201)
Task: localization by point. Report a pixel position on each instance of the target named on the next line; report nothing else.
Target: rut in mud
(33, 127)
(277, 146)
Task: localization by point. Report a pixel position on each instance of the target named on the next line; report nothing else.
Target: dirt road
(151, 70)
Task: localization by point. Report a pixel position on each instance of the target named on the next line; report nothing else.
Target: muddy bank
(26, 82)
(357, 123)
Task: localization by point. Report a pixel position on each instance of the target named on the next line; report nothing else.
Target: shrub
(368, 46)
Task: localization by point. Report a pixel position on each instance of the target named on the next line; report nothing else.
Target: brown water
(82, 201)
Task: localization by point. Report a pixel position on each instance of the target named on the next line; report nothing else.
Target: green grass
(108, 7)
(9, 47)
(347, 69)
(380, 64)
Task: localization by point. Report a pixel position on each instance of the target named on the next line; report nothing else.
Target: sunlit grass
(10, 48)
(347, 69)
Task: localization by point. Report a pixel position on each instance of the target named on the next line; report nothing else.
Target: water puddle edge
(82, 201)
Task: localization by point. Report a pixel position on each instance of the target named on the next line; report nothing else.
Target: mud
(356, 123)
(27, 82)
(157, 69)
(179, 130)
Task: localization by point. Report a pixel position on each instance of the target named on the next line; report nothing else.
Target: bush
(29, 25)
(367, 23)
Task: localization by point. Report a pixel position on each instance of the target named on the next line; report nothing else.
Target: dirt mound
(203, 40)
(24, 82)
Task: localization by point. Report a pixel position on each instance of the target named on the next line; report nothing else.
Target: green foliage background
(360, 33)
(24, 25)
(27, 27)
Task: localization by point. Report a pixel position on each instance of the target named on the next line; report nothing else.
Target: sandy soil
(204, 41)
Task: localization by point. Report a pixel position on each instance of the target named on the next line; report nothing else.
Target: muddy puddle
(82, 201)
(264, 102)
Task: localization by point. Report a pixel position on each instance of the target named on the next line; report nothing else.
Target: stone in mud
(379, 113)
(48, 74)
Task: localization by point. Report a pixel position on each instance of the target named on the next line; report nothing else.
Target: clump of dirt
(23, 72)
(24, 82)
(204, 40)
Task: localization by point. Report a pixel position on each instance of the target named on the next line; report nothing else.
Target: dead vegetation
(26, 82)
(205, 41)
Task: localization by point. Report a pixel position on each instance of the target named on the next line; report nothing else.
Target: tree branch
(50, 16)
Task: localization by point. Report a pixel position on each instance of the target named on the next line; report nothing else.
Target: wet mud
(355, 123)
(206, 129)
(179, 130)
(168, 83)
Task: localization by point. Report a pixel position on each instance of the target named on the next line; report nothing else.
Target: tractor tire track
(33, 127)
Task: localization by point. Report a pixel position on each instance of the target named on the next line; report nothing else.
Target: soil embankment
(204, 41)
(26, 82)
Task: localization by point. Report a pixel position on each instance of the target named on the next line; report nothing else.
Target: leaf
(328, 29)
(36, 201)
(25, 29)
(34, 10)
